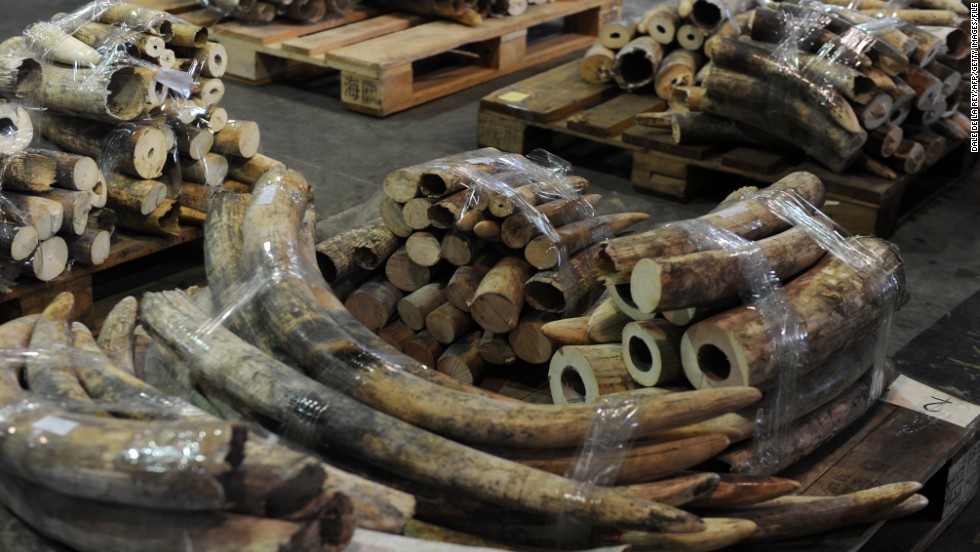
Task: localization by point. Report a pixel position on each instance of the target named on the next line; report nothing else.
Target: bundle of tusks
(136, 154)
(845, 88)
(468, 268)
(673, 316)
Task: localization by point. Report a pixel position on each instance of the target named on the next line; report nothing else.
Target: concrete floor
(347, 155)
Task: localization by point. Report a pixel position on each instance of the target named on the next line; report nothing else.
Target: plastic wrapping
(546, 175)
(489, 174)
(814, 60)
(785, 330)
(129, 466)
(69, 444)
(136, 90)
(599, 460)
(121, 44)
(862, 260)
(354, 366)
(30, 222)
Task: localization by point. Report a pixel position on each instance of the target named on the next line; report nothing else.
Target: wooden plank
(811, 468)
(501, 132)
(660, 164)
(864, 187)
(370, 57)
(275, 33)
(316, 44)
(659, 184)
(399, 88)
(962, 479)
(923, 444)
(251, 64)
(657, 140)
(548, 96)
(441, 83)
(754, 159)
(377, 95)
(611, 118)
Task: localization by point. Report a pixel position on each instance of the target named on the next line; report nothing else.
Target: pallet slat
(370, 57)
(615, 116)
(316, 44)
(274, 33)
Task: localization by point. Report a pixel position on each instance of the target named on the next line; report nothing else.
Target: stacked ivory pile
(875, 88)
(468, 12)
(97, 84)
(451, 296)
(469, 279)
(48, 196)
(299, 363)
(674, 317)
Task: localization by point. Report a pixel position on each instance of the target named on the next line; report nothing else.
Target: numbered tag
(911, 394)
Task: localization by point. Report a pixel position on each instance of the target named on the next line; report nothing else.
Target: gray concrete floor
(346, 156)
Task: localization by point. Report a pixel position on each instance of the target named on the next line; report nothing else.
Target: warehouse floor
(347, 155)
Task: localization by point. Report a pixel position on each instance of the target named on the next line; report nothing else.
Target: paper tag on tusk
(56, 425)
(266, 196)
(911, 394)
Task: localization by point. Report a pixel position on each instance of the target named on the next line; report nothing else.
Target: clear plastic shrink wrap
(130, 95)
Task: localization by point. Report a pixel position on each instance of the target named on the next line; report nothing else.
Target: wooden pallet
(134, 265)
(556, 108)
(389, 62)
(915, 442)
(889, 444)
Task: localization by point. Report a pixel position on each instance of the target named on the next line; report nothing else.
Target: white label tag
(56, 425)
(266, 196)
(911, 394)
(481, 161)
